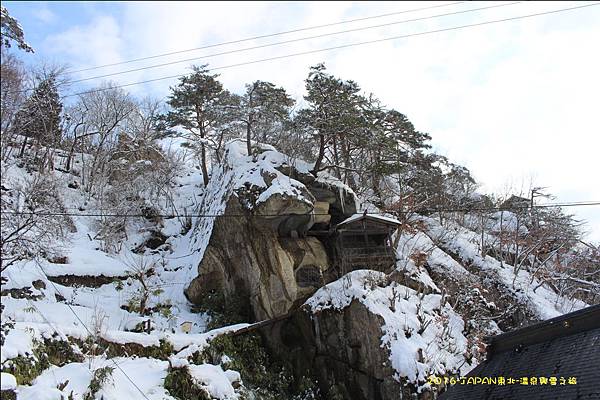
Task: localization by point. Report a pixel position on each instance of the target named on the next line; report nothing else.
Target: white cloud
(508, 100)
(44, 14)
(96, 43)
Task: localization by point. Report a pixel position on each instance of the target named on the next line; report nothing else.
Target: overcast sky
(514, 101)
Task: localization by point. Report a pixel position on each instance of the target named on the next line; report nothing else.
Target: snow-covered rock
(379, 338)
(260, 202)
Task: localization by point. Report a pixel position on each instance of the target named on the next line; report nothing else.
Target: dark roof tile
(547, 349)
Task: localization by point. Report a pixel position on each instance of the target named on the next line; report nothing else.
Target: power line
(342, 47)
(419, 210)
(268, 35)
(293, 41)
(53, 327)
(88, 330)
(266, 45)
(567, 203)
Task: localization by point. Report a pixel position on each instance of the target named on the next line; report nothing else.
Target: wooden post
(501, 236)
(482, 237)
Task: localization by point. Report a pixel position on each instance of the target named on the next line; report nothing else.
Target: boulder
(264, 253)
(341, 349)
(262, 269)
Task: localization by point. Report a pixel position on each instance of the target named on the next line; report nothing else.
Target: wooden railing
(369, 250)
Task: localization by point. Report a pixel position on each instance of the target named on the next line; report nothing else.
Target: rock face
(263, 253)
(343, 349)
(262, 269)
(366, 336)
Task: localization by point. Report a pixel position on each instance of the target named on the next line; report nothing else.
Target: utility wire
(292, 41)
(569, 203)
(88, 330)
(342, 47)
(268, 35)
(418, 210)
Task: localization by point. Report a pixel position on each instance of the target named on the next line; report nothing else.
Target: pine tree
(263, 108)
(40, 116)
(197, 103)
(11, 30)
(334, 116)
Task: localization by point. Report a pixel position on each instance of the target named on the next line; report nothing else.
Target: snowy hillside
(61, 316)
(91, 321)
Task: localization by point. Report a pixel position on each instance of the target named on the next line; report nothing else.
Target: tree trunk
(348, 177)
(336, 159)
(482, 237)
(23, 146)
(202, 129)
(203, 164)
(501, 237)
(249, 138)
(70, 156)
(321, 154)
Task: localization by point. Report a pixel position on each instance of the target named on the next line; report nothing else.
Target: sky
(516, 102)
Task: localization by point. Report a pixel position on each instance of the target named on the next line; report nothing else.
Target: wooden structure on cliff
(365, 241)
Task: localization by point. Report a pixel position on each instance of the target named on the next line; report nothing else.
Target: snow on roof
(377, 217)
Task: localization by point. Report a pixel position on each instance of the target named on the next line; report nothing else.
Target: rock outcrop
(262, 269)
(367, 337)
(272, 202)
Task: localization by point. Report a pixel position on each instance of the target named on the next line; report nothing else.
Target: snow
(285, 186)
(122, 337)
(178, 362)
(148, 375)
(214, 380)
(55, 313)
(232, 375)
(84, 257)
(465, 243)
(358, 217)
(250, 173)
(40, 393)
(7, 381)
(16, 343)
(181, 341)
(241, 173)
(51, 313)
(78, 376)
(442, 343)
(438, 260)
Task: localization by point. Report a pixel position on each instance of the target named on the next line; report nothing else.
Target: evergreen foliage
(197, 104)
(264, 110)
(11, 31)
(40, 115)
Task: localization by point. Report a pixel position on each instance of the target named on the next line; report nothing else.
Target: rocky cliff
(368, 334)
(258, 248)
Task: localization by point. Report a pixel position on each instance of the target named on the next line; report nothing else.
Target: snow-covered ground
(80, 309)
(89, 291)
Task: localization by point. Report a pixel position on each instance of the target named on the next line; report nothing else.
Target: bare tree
(12, 80)
(99, 118)
(32, 226)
